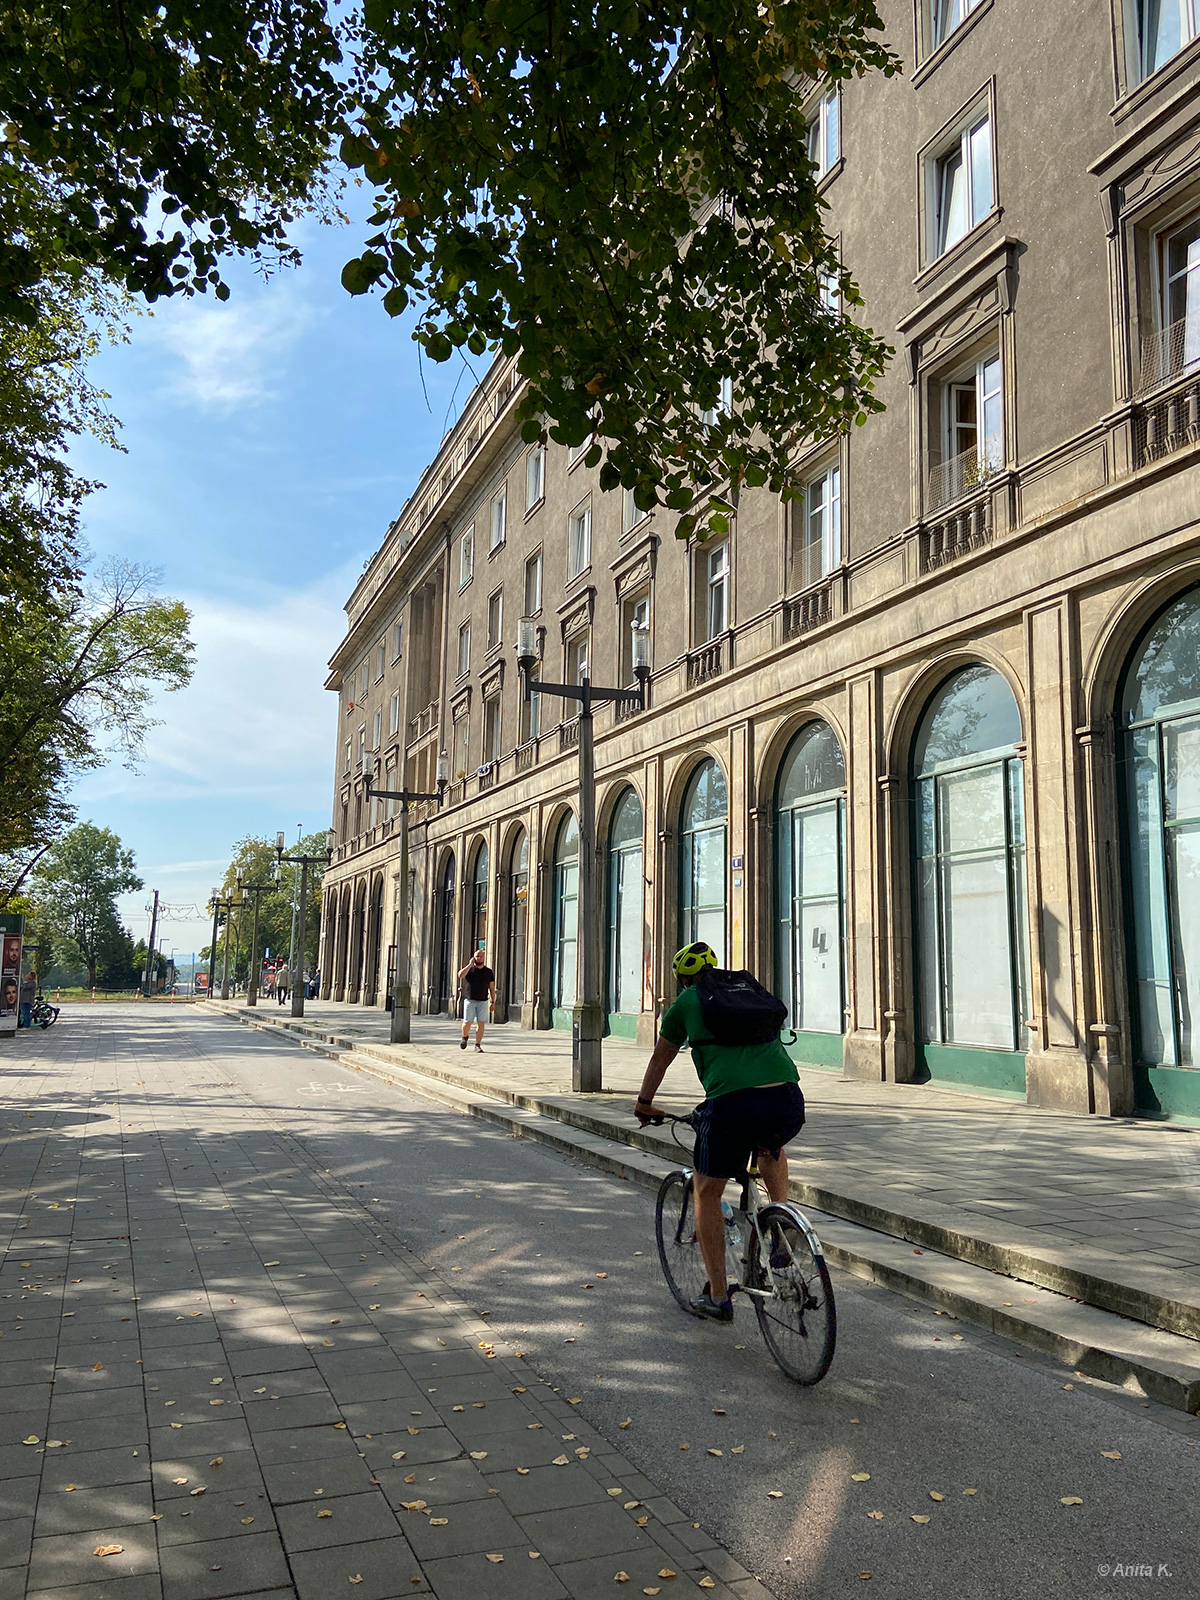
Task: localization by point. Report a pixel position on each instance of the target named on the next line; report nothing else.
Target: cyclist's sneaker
(479, 1047)
(462, 1044)
(717, 1310)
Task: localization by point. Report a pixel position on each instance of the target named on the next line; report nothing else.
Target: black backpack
(737, 1009)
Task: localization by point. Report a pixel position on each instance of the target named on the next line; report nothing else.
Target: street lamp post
(257, 890)
(228, 904)
(401, 983)
(586, 1024)
(303, 862)
(215, 902)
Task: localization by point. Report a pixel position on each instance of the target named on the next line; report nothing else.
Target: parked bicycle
(42, 1014)
(775, 1260)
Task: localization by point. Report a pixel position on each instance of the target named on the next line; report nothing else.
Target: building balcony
(959, 477)
(1170, 353)
(568, 735)
(808, 610)
(1168, 420)
(710, 660)
(525, 756)
(423, 723)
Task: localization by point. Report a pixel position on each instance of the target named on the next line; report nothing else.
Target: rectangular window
(533, 585)
(362, 743)
(972, 427)
(377, 731)
(960, 179)
(531, 710)
(348, 747)
(945, 16)
(466, 557)
(830, 293)
(716, 605)
(1164, 27)
(495, 623)
(380, 660)
(491, 729)
(825, 133)
(535, 476)
(464, 649)
(723, 406)
(394, 714)
(577, 658)
(1176, 347)
(462, 746)
(576, 452)
(397, 641)
(821, 536)
(364, 681)
(635, 613)
(499, 516)
(579, 539)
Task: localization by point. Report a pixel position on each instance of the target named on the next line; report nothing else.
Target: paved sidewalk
(217, 1378)
(1105, 1210)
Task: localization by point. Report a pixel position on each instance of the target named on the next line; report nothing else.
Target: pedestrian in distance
(283, 980)
(28, 996)
(479, 981)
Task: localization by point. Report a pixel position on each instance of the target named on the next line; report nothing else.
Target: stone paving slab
(213, 1364)
(1106, 1210)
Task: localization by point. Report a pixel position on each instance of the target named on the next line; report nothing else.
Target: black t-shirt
(478, 980)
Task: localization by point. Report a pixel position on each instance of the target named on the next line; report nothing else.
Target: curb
(951, 1270)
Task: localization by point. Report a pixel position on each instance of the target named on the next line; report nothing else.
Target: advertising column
(12, 928)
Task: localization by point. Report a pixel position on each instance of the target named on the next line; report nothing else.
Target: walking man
(480, 1004)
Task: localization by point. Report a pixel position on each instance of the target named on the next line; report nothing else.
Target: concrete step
(1159, 1327)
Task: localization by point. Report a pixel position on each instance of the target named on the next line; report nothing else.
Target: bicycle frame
(754, 1239)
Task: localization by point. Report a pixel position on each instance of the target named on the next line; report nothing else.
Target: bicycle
(42, 1014)
(775, 1259)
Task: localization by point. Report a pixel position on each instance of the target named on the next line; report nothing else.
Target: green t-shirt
(722, 1068)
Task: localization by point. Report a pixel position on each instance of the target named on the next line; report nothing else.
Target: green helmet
(692, 959)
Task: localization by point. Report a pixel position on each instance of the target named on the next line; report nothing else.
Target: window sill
(496, 548)
(957, 250)
(577, 576)
(462, 677)
(638, 527)
(829, 177)
(934, 60)
(465, 585)
(1135, 98)
(532, 511)
(578, 461)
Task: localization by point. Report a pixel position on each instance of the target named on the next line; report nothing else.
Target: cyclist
(754, 1107)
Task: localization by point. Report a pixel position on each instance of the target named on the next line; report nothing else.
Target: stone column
(867, 807)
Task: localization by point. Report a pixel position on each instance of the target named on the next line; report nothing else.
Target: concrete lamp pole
(303, 862)
(587, 1072)
(402, 985)
(257, 890)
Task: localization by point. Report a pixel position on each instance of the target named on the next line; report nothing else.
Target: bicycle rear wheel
(678, 1249)
(797, 1317)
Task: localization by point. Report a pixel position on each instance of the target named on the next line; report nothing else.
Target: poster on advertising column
(12, 927)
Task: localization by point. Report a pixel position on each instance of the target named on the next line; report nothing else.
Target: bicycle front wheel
(797, 1316)
(678, 1247)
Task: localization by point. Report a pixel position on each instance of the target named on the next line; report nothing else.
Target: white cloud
(232, 354)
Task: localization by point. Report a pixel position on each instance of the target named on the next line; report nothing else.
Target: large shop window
(518, 920)
(479, 900)
(972, 920)
(625, 916)
(446, 998)
(565, 922)
(810, 832)
(1161, 713)
(702, 859)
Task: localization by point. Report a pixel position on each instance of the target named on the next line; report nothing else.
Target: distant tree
(255, 860)
(77, 882)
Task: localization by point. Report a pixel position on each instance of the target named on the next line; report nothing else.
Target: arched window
(479, 900)
(702, 837)
(972, 920)
(565, 921)
(447, 985)
(809, 833)
(1161, 715)
(625, 913)
(518, 919)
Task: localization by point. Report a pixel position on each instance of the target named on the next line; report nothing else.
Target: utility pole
(215, 901)
(587, 1020)
(292, 946)
(147, 981)
(303, 862)
(402, 985)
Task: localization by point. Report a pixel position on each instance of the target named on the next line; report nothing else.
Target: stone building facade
(922, 749)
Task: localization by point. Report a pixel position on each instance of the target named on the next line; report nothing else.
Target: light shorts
(475, 1011)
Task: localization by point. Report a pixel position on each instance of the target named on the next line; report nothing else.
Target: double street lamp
(245, 890)
(587, 1017)
(401, 981)
(219, 905)
(303, 862)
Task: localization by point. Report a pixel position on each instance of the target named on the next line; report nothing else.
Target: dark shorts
(734, 1127)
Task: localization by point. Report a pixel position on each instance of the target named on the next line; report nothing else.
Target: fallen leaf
(1071, 1500)
(478, 1455)
(196, 1492)
(651, 1591)
(260, 1391)
(412, 1505)
(717, 1412)
(578, 1401)
(535, 1555)
(438, 1522)
(519, 1390)
(774, 1494)
(412, 1430)
(179, 1480)
(32, 1439)
(737, 1449)
(373, 1308)
(561, 1461)
(708, 1583)
(685, 1446)
(934, 1495)
(716, 1452)
(216, 1380)
(665, 1572)
(860, 1477)
(970, 1491)
(325, 1512)
(246, 1521)
(602, 1274)
(54, 1444)
(621, 1577)
(342, 1426)
(632, 1505)
(1111, 1455)
(328, 1343)
(67, 1487)
(355, 1577)
(177, 1424)
(864, 1574)
(628, 1423)
(108, 1549)
(156, 1517)
(99, 1367)
(399, 1455)
(217, 1461)
(411, 1478)
(876, 1516)
(523, 1472)
(494, 1559)
(920, 1519)
(616, 1492)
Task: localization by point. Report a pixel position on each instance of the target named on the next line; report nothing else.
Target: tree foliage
(76, 885)
(619, 193)
(254, 859)
(78, 669)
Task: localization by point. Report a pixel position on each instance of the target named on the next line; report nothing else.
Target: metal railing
(1169, 353)
(952, 479)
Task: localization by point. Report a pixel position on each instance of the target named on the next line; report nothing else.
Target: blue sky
(271, 439)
